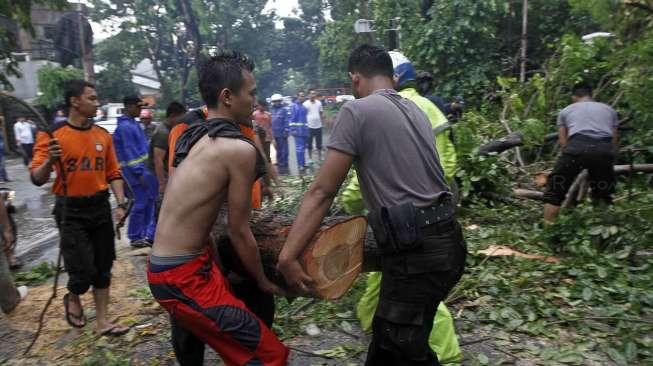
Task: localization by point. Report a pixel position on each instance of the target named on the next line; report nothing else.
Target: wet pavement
(37, 237)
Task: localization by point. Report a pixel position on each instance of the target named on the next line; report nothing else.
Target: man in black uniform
(390, 142)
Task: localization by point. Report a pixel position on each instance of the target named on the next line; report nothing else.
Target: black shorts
(87, 243)
(314, 134)
(595, 155)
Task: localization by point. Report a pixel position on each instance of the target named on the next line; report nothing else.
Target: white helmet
(276, 98)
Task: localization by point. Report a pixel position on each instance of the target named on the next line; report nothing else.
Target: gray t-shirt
(394, 156)
(589, 118)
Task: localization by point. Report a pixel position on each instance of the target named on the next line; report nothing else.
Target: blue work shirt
(280, 120)
(298, 124)
(131, 145)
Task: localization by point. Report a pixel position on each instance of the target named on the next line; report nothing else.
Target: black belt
(579, 137)
(84, 201)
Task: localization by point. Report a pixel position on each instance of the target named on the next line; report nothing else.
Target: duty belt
(441, 212)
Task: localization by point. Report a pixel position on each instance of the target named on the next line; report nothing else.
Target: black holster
(398, 229)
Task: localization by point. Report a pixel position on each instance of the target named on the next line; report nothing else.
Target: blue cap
(402, 66)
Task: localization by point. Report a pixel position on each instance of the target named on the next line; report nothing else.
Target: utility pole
(86, 56)
(393, 34)
(524, 41)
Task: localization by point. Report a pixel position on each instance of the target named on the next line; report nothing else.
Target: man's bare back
(215, 170)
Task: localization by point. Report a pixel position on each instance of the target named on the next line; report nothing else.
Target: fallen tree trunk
(337, 254)
(528, 193)
(580, 186)
(505, 143)
(643, 168)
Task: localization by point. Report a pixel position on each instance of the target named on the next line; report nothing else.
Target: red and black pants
(199, 300)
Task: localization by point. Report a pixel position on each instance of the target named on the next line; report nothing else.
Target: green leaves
(51, 82)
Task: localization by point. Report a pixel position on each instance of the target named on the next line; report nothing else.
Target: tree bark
(330, 259)
(524, 42)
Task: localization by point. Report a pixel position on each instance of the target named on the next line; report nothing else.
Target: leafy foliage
(36, 275)
(51, 82)
(593, 295)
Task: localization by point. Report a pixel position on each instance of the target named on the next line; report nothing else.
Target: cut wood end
(335, 256)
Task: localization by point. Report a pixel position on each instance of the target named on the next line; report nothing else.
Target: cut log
(334, 257)
(497, 146)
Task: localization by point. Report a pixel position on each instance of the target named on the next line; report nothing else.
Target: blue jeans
(142, 223)
(282, 151)
(300, 146)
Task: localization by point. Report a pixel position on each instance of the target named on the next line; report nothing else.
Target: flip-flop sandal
(70, 316)
(114, 331)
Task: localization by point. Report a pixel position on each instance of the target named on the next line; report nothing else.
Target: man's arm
(562, 136)
(46, 152)
(118, 189)
(241, 168)
(314, 207)
(159, 169)
(615, 138)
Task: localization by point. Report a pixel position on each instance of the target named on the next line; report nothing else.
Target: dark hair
(75, 88)
(262, 103)
(174, 109)
(582, 90)
(370, 61)
(224, 70)
(424, 82)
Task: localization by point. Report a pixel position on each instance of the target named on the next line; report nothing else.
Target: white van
(109, 120)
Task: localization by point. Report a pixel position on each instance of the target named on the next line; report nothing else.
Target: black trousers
(87, 244)
(27, 153)
(189, 350)
(412, 286)
(314, 134)
(581, 152)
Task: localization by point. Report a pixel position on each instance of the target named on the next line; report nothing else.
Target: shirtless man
(220, 165)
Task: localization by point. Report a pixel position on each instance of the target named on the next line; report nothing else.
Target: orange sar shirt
(88, 157)
(179, 129)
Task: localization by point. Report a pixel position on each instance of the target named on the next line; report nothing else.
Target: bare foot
(110, 329)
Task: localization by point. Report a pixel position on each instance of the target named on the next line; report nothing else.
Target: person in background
(60, 117)
(146, 123)
(158, 161)
(299, 130)
(589, 136)
(405, 84)
(24, 138)
(263, 120)
(132, 151)
(280, 130)
(314, 118)
(10, 296)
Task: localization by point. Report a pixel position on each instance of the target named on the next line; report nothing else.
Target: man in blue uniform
(299, 129)
(132, 151)
(280, 129)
